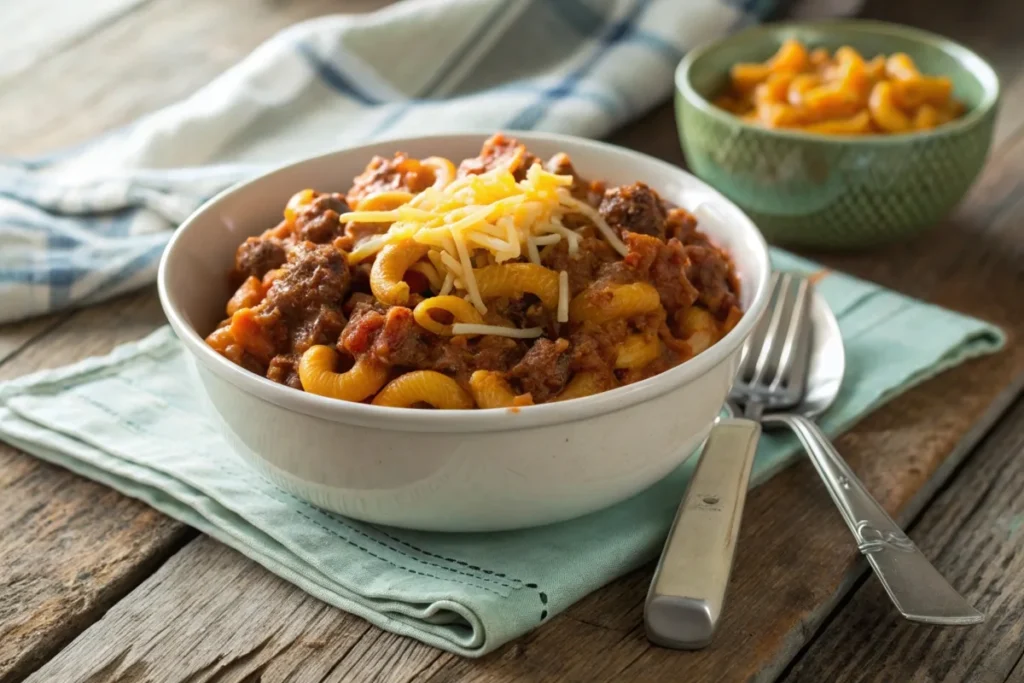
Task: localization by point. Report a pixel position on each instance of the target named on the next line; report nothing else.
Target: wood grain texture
(256, 626)
(210, 614)
(67, 21)
(70, 548)
(974, 531)
(16, 336)
(112, 76)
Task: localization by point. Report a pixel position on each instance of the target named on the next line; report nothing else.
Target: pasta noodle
(389, 268)
(460, 310)
(615, 301)
(637, 351)
(316, 371)
(513, 280)
(490, 390)
(839, 93)
(424, 386)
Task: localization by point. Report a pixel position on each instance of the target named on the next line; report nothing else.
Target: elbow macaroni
(839, 94)
(316, 372)
(424, 386)
(512, 280)
(637, 351)
(389, 268)
(490, 390)
(614, 301)
(460, 310)
(698, 328)
(583, 384)
(297, 203)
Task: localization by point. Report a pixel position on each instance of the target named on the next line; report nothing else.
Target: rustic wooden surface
(70, 549)
(975, 530)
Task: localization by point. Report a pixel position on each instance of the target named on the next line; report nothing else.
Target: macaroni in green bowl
(837, 191)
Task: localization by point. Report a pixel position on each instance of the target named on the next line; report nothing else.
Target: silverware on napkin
(688, 590)
(799, 352)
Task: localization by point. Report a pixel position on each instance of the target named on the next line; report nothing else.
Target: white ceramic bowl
(472, 470)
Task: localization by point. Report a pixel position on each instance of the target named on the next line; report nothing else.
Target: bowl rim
(478, 419)
(971, 60)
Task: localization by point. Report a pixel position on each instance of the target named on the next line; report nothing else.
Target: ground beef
(453, 359)
(634, 208)
(710, 270)
(256, 256)
(681, 225)
(460, 357)
(581, 189)
(544, 370)
(316, 275)
(365, 320)
(284, 369)
(582, 267)
(403, 343)
(496, 353)
(382, 175)
(318, 221)
(303, 306)
(663, 264)
(317, 327)
(499, 152)
(595, 347)
(252, 363)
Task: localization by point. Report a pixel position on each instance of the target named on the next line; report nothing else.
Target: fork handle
(918, 590)
(687, 592)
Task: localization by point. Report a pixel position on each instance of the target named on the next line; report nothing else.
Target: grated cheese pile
(486, 218)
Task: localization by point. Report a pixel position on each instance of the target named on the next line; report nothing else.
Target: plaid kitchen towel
(90, 223)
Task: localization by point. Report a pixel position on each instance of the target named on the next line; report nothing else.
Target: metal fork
(687, 592)
(775, 377)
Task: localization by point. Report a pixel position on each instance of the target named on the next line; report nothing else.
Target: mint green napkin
(130, 421)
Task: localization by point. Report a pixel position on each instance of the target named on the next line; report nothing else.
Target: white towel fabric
(91, 222)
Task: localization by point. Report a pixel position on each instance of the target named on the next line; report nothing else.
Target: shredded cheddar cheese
(490, 213)
(563, 297)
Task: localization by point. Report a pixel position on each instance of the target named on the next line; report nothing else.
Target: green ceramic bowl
(832, 191)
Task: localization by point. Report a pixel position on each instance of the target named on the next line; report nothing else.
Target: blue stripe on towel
(332, 75)
(530, 116)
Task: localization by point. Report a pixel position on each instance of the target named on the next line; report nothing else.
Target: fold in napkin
(119, 420)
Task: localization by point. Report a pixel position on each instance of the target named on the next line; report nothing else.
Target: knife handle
(688, 589)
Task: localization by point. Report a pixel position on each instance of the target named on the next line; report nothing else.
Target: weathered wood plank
(14, 337)
(289, 636)
(974, 533)
(70, 548)
(28, 40)
(112, 77)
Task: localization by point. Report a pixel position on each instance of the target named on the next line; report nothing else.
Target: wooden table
(98, 587)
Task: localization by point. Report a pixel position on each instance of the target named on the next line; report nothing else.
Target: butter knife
(687, 593)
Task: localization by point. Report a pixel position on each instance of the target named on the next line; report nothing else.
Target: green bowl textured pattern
(837, 191)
